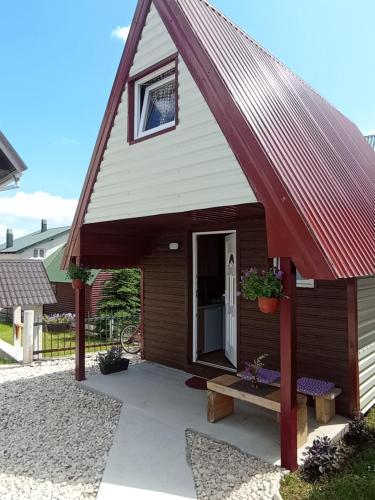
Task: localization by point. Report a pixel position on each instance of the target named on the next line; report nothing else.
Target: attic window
(155, 102)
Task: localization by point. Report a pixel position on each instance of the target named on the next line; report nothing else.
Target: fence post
(28, 336)
(17, 318)
(38, 330)
(111, 325)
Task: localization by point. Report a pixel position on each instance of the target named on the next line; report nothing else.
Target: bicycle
(131, 338)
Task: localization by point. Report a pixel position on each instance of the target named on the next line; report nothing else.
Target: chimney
(43, 227)
(9, 238)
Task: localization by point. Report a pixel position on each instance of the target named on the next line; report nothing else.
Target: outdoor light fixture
(174, 245)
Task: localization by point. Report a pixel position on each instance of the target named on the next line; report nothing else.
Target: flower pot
(268, 305)
(77, 284)
(118, 366)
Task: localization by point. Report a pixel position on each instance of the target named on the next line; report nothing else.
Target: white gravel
(54, 436)
(222, 471)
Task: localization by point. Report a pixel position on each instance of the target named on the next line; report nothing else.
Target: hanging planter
(79, 276)
(77, 284)
(268, 305)
(265, 286)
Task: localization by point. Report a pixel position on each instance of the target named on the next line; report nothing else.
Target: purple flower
(279, 274)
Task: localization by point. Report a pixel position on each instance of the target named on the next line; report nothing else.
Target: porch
(148, 455)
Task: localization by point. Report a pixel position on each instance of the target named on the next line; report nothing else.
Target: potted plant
(111, 361)
(79, 276)
(252, 369)
(266, 287)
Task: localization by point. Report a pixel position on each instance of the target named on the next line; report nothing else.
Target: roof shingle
(24, 282)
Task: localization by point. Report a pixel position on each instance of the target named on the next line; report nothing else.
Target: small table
(223, 390)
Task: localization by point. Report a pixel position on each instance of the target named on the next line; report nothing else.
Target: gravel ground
(54, 436)
(222, 471)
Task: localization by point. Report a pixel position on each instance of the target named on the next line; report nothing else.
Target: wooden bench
(223, 390)
(324, 393)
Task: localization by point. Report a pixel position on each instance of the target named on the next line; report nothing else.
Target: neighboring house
(212, 158)
(11, 165)
(62, 286)
(371, 139)
(37, 245)
(24, 285)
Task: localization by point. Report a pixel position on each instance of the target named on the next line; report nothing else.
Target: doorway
(215, 299)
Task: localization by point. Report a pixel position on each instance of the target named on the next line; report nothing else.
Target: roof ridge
(269, 54)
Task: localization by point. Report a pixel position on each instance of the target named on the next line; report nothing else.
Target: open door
(231, 298)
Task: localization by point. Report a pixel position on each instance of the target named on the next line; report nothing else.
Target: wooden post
(288, 361)
(80, 333)
(353, 368)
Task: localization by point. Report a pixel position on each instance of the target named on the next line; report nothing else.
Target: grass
(355, 481)
(6, 332)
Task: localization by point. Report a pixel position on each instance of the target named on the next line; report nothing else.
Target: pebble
(54, 436)
(223, 472)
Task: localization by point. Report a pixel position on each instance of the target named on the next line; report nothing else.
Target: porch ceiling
(124, 242)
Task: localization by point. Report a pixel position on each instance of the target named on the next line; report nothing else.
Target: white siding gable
(191, 167)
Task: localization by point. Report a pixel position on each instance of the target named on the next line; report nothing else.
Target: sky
(59, 59)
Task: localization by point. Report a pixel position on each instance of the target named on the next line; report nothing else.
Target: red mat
(197, 383)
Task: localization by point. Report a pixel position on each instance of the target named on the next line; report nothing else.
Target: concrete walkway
(148, 457)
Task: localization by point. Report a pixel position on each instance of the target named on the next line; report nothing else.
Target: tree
(121, 295)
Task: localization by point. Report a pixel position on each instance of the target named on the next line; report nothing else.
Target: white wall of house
(366, 341)
(191, 167)
(49, 247)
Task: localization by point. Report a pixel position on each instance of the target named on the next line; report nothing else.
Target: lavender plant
(252, 369)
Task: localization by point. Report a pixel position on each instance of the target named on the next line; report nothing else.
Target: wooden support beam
(353, 368)
(288, 361)
(80, 334)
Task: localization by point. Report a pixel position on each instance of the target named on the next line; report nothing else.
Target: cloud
(31, 207)
(121, 33)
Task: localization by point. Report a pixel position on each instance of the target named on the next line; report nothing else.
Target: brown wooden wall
(321, 312)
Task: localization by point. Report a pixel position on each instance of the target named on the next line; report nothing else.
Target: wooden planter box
(119, 366)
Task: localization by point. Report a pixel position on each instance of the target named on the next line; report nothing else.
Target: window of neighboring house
(154, 102)
(301, 282)
(39, 253)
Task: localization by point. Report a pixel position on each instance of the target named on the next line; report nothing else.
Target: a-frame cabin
(213, 157)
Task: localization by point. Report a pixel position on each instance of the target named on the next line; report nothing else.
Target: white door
(231, 298)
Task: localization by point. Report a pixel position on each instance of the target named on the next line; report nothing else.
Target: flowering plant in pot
(112, 361)
(264, 286)
(79, 276)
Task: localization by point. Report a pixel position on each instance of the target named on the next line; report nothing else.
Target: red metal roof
(320, 156)
(308, 164)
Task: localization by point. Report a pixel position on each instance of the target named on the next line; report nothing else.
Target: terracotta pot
(77, 284)
(268, 305)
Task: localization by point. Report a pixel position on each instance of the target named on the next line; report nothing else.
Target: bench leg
(302, 425)
(325, 409)
(218, 406)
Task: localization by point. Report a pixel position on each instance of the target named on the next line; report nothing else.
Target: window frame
(134, 113)
(38, 251)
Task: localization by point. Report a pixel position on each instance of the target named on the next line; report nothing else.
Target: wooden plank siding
(321, 312)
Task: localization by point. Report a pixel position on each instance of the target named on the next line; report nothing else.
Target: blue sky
(59, 58)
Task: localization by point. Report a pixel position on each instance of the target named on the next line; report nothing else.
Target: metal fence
(101, 332)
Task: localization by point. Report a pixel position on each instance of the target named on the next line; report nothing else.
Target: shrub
(264, 284)
(110, 358)
(359, 431)
(320, 458)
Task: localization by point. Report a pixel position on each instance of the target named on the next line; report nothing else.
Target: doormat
(197, 383)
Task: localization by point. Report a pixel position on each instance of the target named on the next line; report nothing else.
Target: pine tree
(121, 294)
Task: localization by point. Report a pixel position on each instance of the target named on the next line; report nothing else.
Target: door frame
(195, 290)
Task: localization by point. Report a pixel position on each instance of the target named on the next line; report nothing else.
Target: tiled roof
(24, 282)
(36, 238)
